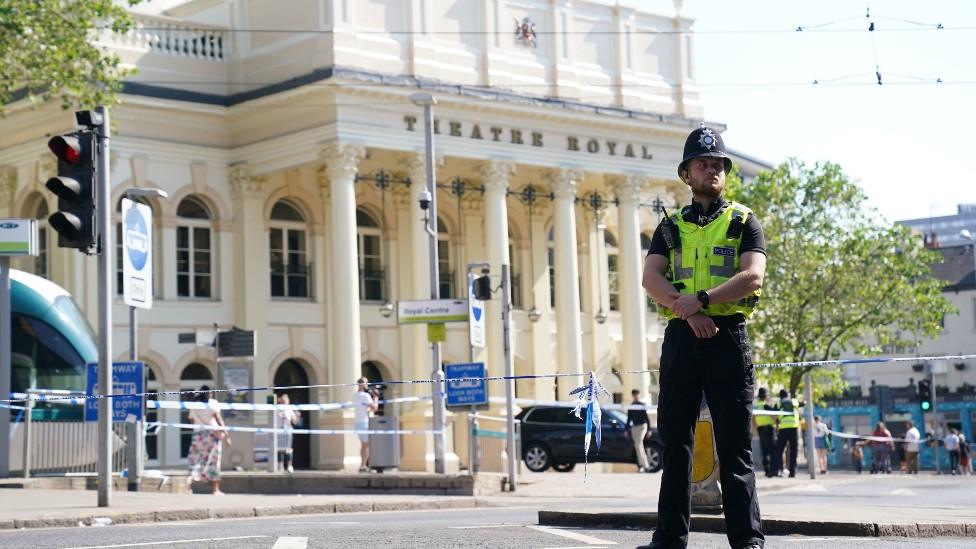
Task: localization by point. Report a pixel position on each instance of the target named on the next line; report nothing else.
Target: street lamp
(428, 203)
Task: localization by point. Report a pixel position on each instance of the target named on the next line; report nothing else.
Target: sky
(906, 142)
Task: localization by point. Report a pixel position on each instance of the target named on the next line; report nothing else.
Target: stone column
(569, 351)
(632, 297)
(340, 162)
(495, 176)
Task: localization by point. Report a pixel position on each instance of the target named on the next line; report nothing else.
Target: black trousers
(786, 437)
(721, 368)
(767, 445)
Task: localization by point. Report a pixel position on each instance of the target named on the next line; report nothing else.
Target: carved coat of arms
(525, 32)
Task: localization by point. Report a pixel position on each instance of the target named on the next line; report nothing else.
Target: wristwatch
(703, 298)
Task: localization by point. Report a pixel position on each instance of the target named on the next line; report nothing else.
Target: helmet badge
(707, 139)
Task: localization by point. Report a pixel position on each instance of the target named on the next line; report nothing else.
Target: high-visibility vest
(704, 257)
(791, 421)
(762, 420)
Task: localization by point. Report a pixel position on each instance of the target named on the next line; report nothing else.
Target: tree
(839, 278)
(48, 49)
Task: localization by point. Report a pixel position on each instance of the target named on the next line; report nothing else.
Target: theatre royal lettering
(515, 136)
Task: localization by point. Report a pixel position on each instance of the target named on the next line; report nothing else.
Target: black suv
(553, 436)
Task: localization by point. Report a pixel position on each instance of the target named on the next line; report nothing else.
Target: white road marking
(901, 492)
(480, 526)
(589, 540)
(291, 543)
(169, 542)
(340, 522)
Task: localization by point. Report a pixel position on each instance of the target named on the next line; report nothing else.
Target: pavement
(840, 504)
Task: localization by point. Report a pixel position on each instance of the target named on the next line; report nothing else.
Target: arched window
(194, 249)
(370, 247)
(514, 271)
(151, 385)
(288, 252)
(444, 260)
(551, 255)
(42, 263)
(192, 378)
(613, 270)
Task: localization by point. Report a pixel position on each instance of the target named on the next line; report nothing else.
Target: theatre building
(293, 159)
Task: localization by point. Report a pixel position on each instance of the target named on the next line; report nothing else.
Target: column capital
(8, 184)
(495, 175)
(628, 187)
(416, 166)
(564, 181)
(342, 160)
(243, 184)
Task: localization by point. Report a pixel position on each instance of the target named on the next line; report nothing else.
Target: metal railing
(54, 447)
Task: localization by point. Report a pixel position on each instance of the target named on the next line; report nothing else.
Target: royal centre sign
(432, 310)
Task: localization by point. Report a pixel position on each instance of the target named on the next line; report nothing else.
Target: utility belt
(725, 321)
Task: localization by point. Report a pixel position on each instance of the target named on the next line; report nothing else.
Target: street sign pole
(810, 443)
(509, 370)
(106, 251)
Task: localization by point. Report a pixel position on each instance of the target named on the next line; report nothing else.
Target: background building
(285, 139)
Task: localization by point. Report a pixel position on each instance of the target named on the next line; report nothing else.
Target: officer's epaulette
(736, 225)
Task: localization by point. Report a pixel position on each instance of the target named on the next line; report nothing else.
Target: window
(613, 270)
(42, 357)
(372, 283)
(42, 261)
(194, 250)
(444, 261)
(551, 255)
(152, 414)
(288, 252)
(513, 271)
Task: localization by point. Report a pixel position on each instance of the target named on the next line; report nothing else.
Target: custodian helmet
(704, 142)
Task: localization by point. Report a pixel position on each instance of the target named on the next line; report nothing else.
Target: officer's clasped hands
(702, 325)
(686, 305)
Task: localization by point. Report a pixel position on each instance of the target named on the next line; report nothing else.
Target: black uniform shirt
(753, 239)
(636, 417)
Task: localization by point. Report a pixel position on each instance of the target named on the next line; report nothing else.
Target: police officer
(705, 267)
(766, 428)
(787, 436)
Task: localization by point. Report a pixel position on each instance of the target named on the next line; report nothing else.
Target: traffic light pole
(938, 424)
(105, 252)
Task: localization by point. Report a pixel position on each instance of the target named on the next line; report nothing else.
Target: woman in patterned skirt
(207, 445)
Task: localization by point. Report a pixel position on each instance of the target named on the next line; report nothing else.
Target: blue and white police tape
(837, 362)
(66, 397)
(242, 429)
(872, 438)
(588, 395)
(876, 360)
(244, 406)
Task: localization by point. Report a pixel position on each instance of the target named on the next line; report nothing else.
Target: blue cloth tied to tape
(588, 396)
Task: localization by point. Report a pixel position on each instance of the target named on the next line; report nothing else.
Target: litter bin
(384, 450)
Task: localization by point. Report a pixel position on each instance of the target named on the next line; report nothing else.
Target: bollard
(133, 452)
(28, 412)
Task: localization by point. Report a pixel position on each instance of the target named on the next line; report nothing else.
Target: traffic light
(75, 188)
(925, 395)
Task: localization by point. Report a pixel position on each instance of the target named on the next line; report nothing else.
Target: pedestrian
(857, 456)
(964, 455)
(637, 420)
(912, 437)
(206, 447)
(787, 439)
(881, 446)
(951, 442)
(288, 418)
(706, 346)
(364, 401)
(766, 429)
(820, 433)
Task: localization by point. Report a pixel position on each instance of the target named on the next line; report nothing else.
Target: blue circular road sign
(136, 238)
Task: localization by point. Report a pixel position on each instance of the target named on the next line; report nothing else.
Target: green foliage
(48, 49)
(838, 279)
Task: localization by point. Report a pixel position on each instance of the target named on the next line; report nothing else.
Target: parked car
(553, 436)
